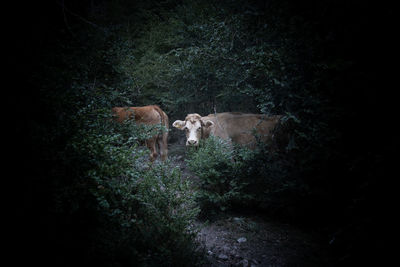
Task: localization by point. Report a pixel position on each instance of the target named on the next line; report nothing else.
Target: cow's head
(195, 128)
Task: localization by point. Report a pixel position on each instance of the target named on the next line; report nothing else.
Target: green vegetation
(218, 168)
(87, 189)
(235, 177)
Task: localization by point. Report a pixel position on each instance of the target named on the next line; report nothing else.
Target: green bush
(269, 178)
(232, 177)
(143, 212)
(102, 200)
(217, 166)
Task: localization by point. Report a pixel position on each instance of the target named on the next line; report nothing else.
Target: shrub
(143, 213)
(97, 199)
(268, 175)
(216, 166)
(232, 177)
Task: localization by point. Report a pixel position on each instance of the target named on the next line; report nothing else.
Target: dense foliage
(217, 167)
(85, 188)
(235, 177)
(104, 202)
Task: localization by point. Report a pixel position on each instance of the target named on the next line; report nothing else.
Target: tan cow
(240, 128)
(148, 115)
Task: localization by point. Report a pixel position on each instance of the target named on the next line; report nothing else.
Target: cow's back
(242, 128)
(148, 115)
(163, 116)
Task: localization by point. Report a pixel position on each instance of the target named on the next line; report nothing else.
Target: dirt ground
(251, 241)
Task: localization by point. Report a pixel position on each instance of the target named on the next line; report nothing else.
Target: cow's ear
(179, 124)
(208, 123)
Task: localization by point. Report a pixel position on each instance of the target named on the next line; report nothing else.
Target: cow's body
(240, 128)
(148, 115)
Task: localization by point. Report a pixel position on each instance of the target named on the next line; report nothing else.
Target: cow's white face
(194, 128)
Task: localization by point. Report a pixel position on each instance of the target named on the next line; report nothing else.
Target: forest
(80, 190)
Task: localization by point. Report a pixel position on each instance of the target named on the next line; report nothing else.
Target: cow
(236, 127)
(147, 115)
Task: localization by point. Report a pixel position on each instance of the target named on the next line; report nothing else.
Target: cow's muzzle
(192, 143)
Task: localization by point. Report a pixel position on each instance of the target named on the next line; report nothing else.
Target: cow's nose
(192, 142)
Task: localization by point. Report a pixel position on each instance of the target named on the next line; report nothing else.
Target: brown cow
(148, 115)
(240, 128)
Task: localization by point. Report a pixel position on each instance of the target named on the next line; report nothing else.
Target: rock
(226, 249)
(210, 252)
(237, 219)
(242, 239)
(223, 257)
(243, 263)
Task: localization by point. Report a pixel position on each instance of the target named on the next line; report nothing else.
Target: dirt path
(252, 241)
(248, 240)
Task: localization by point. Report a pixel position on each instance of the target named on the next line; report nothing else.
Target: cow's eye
(198, 129)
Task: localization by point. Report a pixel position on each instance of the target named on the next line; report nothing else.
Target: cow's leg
(163, 145)
(151, 144)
